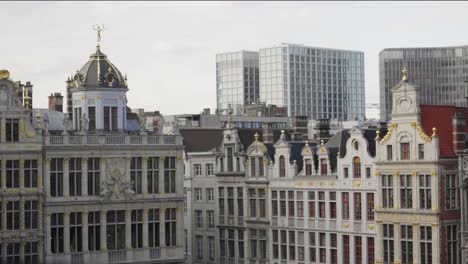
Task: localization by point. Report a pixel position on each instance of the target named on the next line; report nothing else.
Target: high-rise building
(313, 82)
(441, 71)
(237, 80)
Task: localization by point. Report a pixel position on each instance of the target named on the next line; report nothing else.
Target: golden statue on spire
(405, 74)
(99, 29)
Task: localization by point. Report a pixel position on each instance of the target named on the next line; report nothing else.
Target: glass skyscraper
(313, 82)
(439, 72)
(237, 81)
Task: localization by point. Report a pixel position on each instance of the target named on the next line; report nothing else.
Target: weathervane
(99, 29)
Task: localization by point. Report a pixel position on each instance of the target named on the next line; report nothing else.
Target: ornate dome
(99, 72)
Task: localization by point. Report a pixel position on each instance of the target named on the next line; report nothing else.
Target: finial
(39, 120)
(307, 142)
(434, 132)
(405, 74)
(98, 30)
(256, 136)
(321, 142)
(283, 136)
(4, 74)
(377, 135)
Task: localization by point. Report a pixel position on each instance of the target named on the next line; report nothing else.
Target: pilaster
(84, 177)
(396, 242)
(84, 230)
(4, 174)
(48, 239)
(416, 236)
(66, 178)
(128, 229)
(145, 228)
(66, 232)
(47, 177)
(21, 174)
(144, 180)
(103, 230)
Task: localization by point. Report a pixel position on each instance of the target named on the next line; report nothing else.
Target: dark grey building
(442, 72)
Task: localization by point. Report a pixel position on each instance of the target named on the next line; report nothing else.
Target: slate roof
(201, 140)
(55, 119)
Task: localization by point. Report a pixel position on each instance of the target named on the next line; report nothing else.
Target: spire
(405, 74)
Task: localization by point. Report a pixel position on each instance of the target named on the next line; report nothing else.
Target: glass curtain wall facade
(441, 71)
(313, 82)
(237, 81)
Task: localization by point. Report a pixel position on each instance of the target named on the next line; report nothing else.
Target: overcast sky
(168, 49)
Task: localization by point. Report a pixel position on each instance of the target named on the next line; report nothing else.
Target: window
(404, 151)
(452, 244)
(253, 203)
(222, 242)
(387, 191)
(74, 176)
(345, 205)
(451, 192)
(153, 228)
(312, 252)
(13, 253)
(425, 192)
(31, 214)
(274, 203)
(282, 166)
(231, 243)
(425, 244)
(209, 194)
(169, 175)
(209, 169)
(136, 174)
(291, 203)
(56, 231)
(230, 159)
(56, 177)
(210, 214)
(198, 170)
(221, 201)
(211, 248)
(370, 250)
(170, 229)
(198, 218)
(12, 173)
(94, 231)
(284, 246)
(260, 167)
(300, 204)
(308, 167)
(321, 203)
(368, 172)
(77, 116)
(76, 240)
(346, 172)
(92, 118)
(110, 118)
(323, 248)
(252, 167)
(323, 167)
(333, 248)
(221, 164)
(13, 215)
(275, 244)
(346, 251)
(31, 255)
(30, 173)
(406, 192)
(389, 152)
(199, 243)
(357, 206)
(230, 200)
(94, 176)
(153, 174)
(292, 246)
(12, 130)
(116, 230)
(282, 203)
(198, 194)
(333, 205)
(388, 246)
(370, 207)
(240, 202)
(420, 151)
(253, 243)
(262, 202)
(240, 246)
(357, 250)
(356, 167)
(300, 248)
(137, 228)
(406, 241)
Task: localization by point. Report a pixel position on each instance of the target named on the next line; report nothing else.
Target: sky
(168, 49)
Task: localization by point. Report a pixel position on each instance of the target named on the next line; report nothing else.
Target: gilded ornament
(4, 74)
(299, 184)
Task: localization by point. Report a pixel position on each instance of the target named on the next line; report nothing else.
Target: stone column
(39, 175)
(84, 219)
(396, 191)
(162, 222)
(416, 237)
(48, 235)
(415, 188)
(435, 244)
(21, 174)
(22, 244)
(396, 243)
(144, 176)
(66, 177)
(66, 232)
(161, 176)
(434, 192)
(84, 177)
(4, 174)
(22, 218)
(378, 242)
(40, 251)
(46, 177)
(128, 229)
(145, 228)
(103, 230)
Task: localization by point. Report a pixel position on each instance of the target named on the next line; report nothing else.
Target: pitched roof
(201, 140)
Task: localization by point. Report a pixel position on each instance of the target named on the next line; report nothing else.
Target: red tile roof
(440, 117)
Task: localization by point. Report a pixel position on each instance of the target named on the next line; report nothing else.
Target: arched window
(282, 166)
(252, 167)
(357, 167)
(260, 167)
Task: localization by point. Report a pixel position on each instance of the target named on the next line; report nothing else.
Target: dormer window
(12, 130)
(282, 166)
(421, 151)
(356, 167)
(252, 167)
(230, 161)
(323, 167)
(260, 167)
(308, 167)
(92, 118)
(389, 152)
(110, 118)
(404, 151)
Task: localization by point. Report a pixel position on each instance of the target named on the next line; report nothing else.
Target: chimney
(267, 133)
(323, 130)
(458, 128)
(56, 102)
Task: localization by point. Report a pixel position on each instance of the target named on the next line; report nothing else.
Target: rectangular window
(210, 214)
(323, 167)
(153, 228)
(31, 214)
(76, 239)
(452, 244)
(425, 192)
(357, 206)
(230, 201)
(12, 130)
(274, 203)
(114, 118)
(323, 248)
(262, 203)
(275, 244)
(107, 118)
(12, 173)
(389, 152)
(170, 228)
(291, 203)
(137, 228)
(263, 245)
(333, 248)
(253, 243)
(31, 255)
(92, 118)
(253, 202)
(406, 191)
(230, 160)
(282, 203)
(346, 251)
(198, 194)
(152, 167)
(13, 253)
(300, 204)
(321, 202)
(169, 175)
(425, 246)
(420, 151)
(222, 242)
(284, 244)
(406, 244)
(94, 231)
(370, 207)
(387, 191)
(292, 246)
(312, 245)
(199, 243)
(56, 231)
(357, 250)
(56, 177)
(94, 173)
(197, 169)
(30, 173)
(115, 230)
(240, 202)
(404, 151)
(13, 215)
(345, 205)
(388, 243)
(77, 116)
(231, 243)
(198, 218)
(370, 250)
(451, 192)
(136, 174)
(346, 172)
(240, 238)
(308, 166)
(209, 169)
(368, 172)
(332, 205)
(211, 248)
(74, 176)
(209, 194)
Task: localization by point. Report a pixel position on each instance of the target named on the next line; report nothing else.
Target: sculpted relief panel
(115, 186)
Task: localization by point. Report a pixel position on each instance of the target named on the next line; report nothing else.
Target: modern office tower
(237, 81)
(313, 82)
(441, 71)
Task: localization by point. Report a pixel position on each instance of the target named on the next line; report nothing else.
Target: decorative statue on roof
(65, 124)
(142, 124)
(46, 124)
(175, 126)
(84, 123)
